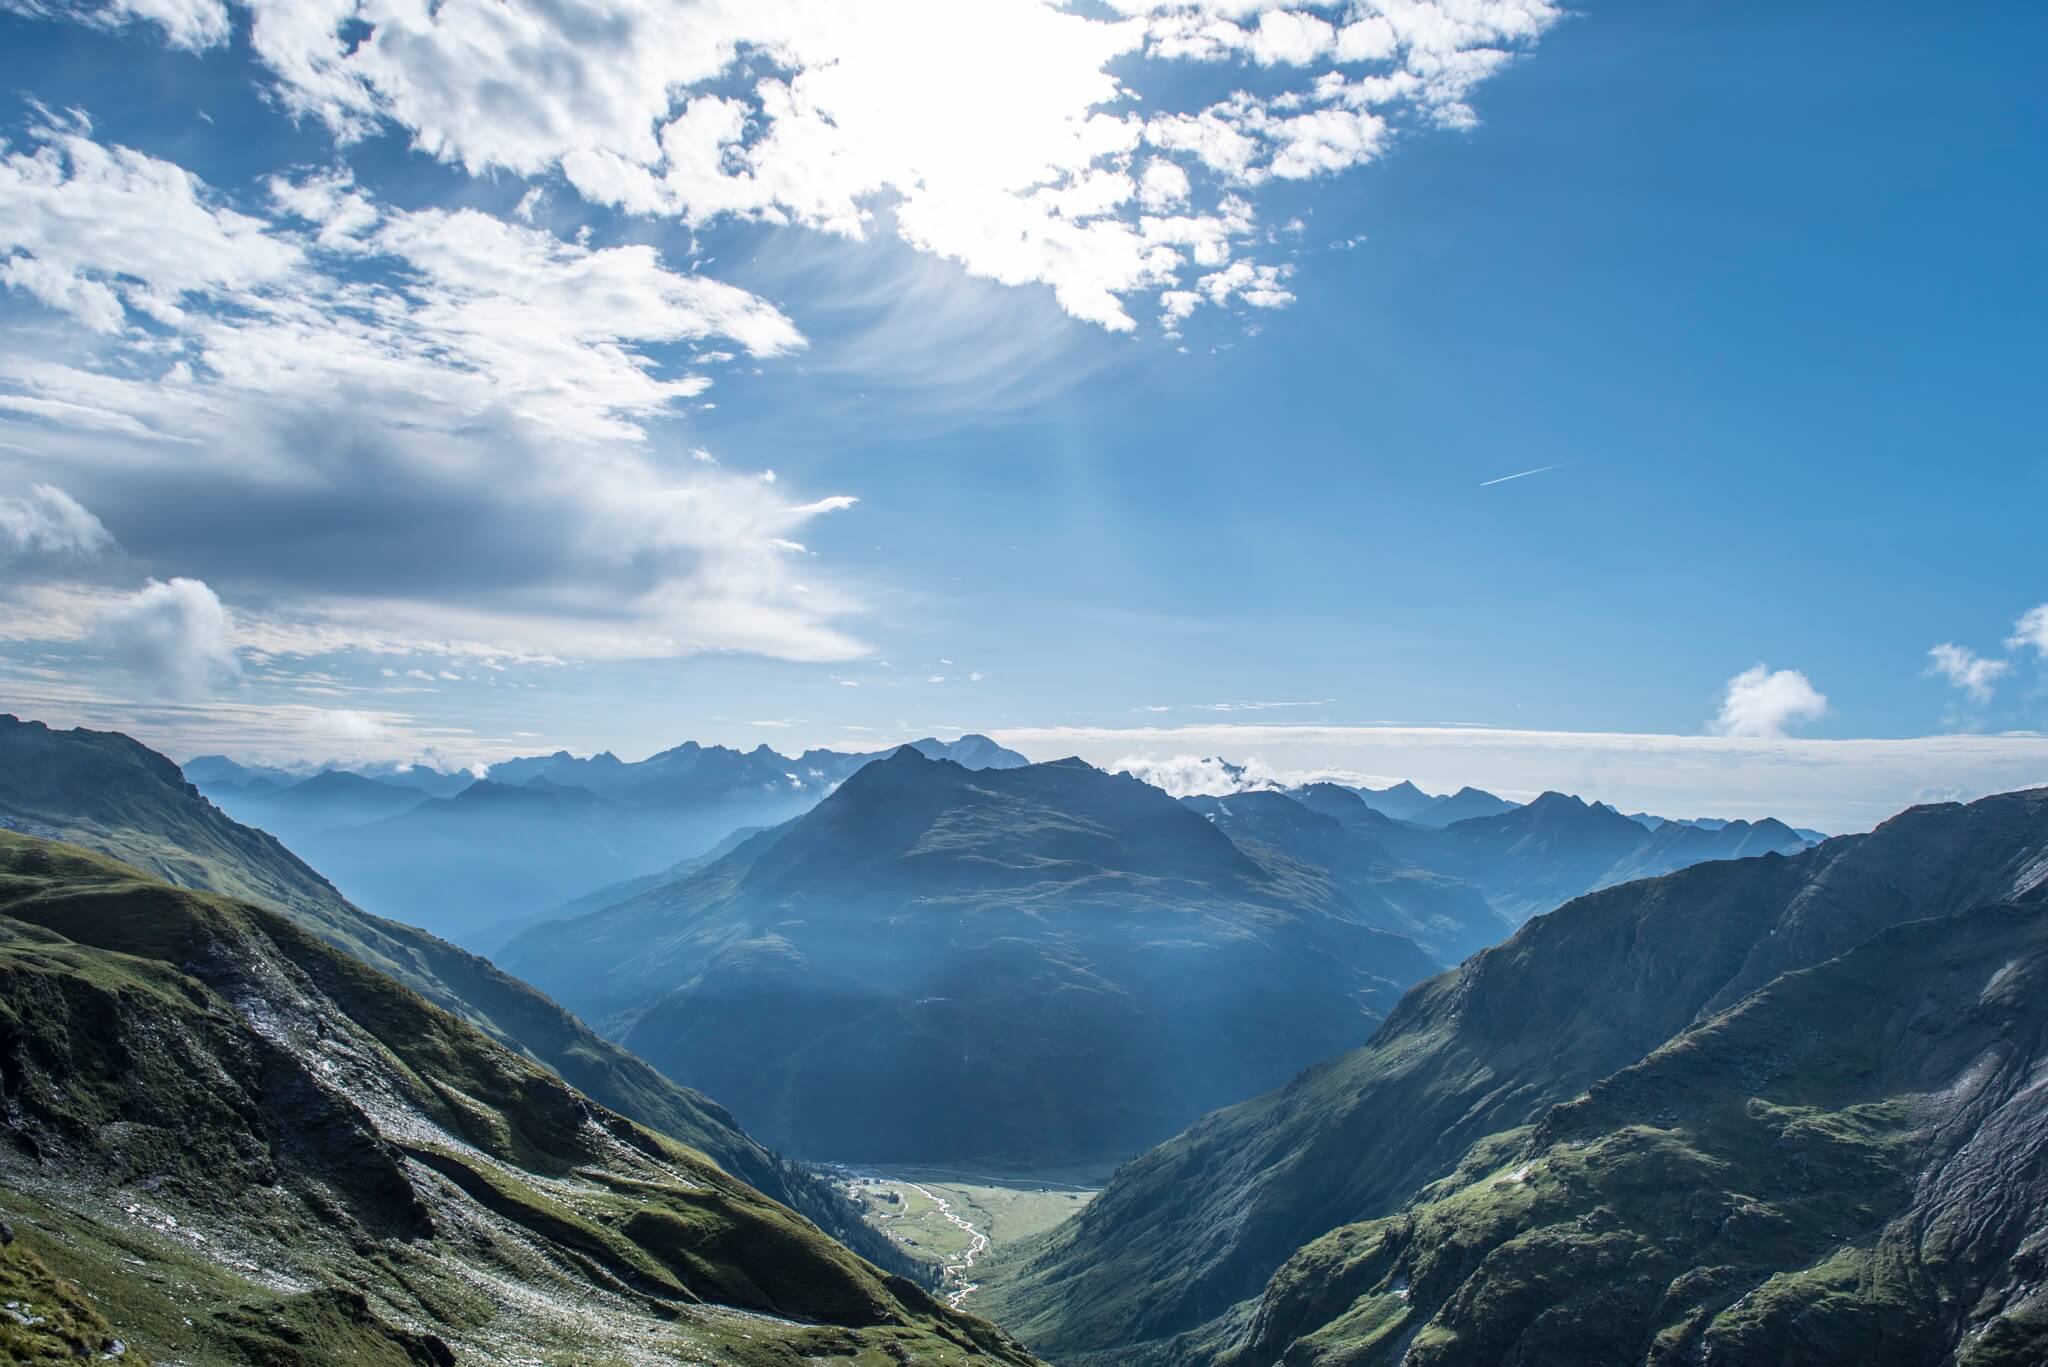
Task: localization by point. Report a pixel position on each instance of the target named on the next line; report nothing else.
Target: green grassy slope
(1851, 1166)
(109, 793)
(246, 1146)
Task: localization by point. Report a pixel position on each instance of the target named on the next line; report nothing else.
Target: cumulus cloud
(1762, 702)
(1019, 138)
(2032, 631)
(173, 637)
(48, 521)
(1974, 674)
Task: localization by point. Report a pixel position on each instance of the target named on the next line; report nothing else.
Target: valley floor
(952, 1219)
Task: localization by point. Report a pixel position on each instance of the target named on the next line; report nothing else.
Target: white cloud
(191, 24)
(1761, 702)
(48, 521)
(464, 405)
(1291, 37)
(2031, 630)
(996, 132)
(173, 637)
(1965, 669)
(97, 230)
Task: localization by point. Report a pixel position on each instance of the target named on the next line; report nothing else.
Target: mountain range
(1696, 1091)
(1763, 1110)
(1526, 860)
(1039, 964)
(1127, 960)
(467, 857)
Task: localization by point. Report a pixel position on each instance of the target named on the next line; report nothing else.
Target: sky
(1633, 399)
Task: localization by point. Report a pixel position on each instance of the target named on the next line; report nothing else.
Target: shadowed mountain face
(1463, 805)
(538, 832)
(246, 1146)
(1528, 860)
(110, 794)
(1401, 802)
(1450, 919)
(1029, 964)
(1813, 1119)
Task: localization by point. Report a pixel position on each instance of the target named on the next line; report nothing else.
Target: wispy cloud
(2031, 632)
(1976, 675)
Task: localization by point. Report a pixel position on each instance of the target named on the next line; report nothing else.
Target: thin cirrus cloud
(1024, 140)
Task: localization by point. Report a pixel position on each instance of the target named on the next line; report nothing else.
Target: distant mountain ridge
(1446, 916)
(468, 858)
(1812, 1135)
(979, 938)
(1529, 859)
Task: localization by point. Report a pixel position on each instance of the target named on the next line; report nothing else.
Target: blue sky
(1764, 287)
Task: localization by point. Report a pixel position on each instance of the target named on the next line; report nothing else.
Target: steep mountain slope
(1197, 1226)
(1448, 918)
(1028, 964)
(247, 1146)
(108, 793)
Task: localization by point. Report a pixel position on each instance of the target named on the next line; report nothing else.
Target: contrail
(1524, 474)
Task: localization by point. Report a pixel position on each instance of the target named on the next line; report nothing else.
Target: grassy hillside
(246, 1146)
(1848, 1167)
(109, 793)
